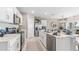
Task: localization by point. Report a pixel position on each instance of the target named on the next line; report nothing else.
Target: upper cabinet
(7, 15)
(18, 16)
(2, 14)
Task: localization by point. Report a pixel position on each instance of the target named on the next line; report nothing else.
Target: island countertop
(63, 35)
(8, 37)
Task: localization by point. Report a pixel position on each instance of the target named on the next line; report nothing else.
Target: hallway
(34, 44)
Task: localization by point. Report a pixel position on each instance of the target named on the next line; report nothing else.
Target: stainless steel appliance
(36, 32)
(2, 32)
(11, 30)
(50, 43)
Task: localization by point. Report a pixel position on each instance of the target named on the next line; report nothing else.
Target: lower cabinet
(65, 43)
(55, 43)
(4, 46)
(77, 43)
(10, 45)
(14, 45)
(42, 35)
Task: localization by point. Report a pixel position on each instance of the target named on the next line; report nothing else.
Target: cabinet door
(44, 39)
(42, 35)
(15, 10)
(18, 44)
(6, 14)
(21, 19)
(9, 14)
(3, 46)
(63, 44)
(3, 14)
(15, 44)
(72, 43)
(12, 45)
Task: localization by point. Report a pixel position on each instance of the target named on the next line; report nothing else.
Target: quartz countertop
(63, 35)
(8, 37)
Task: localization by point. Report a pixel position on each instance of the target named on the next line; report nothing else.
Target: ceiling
(50, 12)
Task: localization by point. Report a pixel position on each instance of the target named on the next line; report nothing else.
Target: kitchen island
(10, 42)
(61, 42)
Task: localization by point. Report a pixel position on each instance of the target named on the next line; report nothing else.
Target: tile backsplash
(8, 25)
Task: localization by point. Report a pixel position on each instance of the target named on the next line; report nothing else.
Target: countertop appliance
(68, 32)
(77, 31)
(2, 32)
(11, 30)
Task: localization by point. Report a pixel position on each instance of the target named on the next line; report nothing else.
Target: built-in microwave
(16, 19)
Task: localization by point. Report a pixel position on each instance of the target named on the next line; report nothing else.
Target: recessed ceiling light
(45, 13)
(32, 11)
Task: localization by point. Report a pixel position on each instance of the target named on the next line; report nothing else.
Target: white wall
(24, 25)
(51, 21)
(28, 25)
(44, 22)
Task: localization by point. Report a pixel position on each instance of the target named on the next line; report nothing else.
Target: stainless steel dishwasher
(50, 43)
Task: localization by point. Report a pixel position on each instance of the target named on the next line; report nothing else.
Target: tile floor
(34, 44)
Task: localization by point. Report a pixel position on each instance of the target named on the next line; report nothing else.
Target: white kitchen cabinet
(14, 45)
(42, 35)
(77, 43)
(65, 43)
(6, 14)
(9, 14)
(16, 12)
(21, 18)
(4, 46)
(3, 16)
(8, 45)
(10, 42)
(61, 43)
